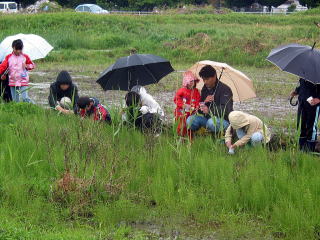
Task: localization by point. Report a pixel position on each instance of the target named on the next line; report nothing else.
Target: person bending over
(91, 108)
(63, 95)
(248, 128)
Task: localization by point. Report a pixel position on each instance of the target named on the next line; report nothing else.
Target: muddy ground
(271, 103)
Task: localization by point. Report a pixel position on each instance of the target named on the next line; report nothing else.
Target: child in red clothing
(187, 100)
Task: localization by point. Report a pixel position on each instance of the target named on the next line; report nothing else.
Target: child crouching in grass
(17, 64)
(90, 107)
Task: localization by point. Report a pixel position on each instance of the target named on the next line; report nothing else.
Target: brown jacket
(250, 123)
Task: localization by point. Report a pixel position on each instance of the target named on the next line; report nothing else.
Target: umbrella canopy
(240, 84)
(300, 60)
(33, 45)
(137, 69)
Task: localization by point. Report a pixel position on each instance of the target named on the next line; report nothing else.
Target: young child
(187, 100)
(90, 107)
(17, 64)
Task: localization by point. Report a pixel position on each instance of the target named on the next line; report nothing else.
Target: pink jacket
(18, 67)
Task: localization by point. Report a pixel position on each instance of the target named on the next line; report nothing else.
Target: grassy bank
(107, 182)
(91, 40)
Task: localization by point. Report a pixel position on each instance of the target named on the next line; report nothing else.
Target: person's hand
(68, 111)
(204, 109)
(3, 77)
(293, 94)
(187, 107)
(314, 101)
(144, 110)
(233, 146)
(228, 144)
(209, 98)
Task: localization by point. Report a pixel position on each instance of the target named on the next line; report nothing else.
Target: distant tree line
(150, 4)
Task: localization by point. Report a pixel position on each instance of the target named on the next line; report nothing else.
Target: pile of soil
(42, 6)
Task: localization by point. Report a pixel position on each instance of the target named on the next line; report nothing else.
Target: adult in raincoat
(248, 128)
(63, 88)
(308, 113)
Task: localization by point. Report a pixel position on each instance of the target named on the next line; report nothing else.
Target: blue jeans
(16, 92)
(256, 138)
(195, 122)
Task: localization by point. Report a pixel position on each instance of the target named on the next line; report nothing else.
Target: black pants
(307, 121)
(5, 92)
(148, 123)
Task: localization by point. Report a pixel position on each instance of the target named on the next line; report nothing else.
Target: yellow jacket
(250, 125)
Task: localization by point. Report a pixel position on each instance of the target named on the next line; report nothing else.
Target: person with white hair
(148, 103)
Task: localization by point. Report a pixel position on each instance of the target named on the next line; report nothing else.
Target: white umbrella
(241, 86)
(33, 45)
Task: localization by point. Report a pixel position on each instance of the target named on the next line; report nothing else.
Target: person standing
(308, 113)
(17, 64)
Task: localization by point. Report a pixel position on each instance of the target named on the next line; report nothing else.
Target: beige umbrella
(240, 84)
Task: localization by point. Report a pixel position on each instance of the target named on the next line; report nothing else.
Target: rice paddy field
(63, 178)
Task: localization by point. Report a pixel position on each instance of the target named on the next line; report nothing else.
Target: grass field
(145, 187)
(62, 178)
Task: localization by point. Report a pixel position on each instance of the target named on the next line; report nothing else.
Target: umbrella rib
(146, 67)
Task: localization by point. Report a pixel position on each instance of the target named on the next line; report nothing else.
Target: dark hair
(207, 72)
(17, 44)
(83, 102)
(132, 99)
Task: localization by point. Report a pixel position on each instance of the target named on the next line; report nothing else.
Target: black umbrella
(300, 60)
(137, 69)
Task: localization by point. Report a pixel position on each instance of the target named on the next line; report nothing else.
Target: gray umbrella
(300, 60)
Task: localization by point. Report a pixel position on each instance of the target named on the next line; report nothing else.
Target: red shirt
(99, 112)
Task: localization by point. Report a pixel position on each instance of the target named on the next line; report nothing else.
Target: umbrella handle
(293, 104)
(221, 74)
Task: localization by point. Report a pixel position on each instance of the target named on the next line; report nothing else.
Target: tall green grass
(122, 177)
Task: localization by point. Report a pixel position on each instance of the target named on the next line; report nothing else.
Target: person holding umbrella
(17, 64)
(216, 103)
(304, 62)
(308, 113)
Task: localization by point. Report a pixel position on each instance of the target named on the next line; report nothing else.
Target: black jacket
(56, 93)
(223, 103)
(307, 89)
